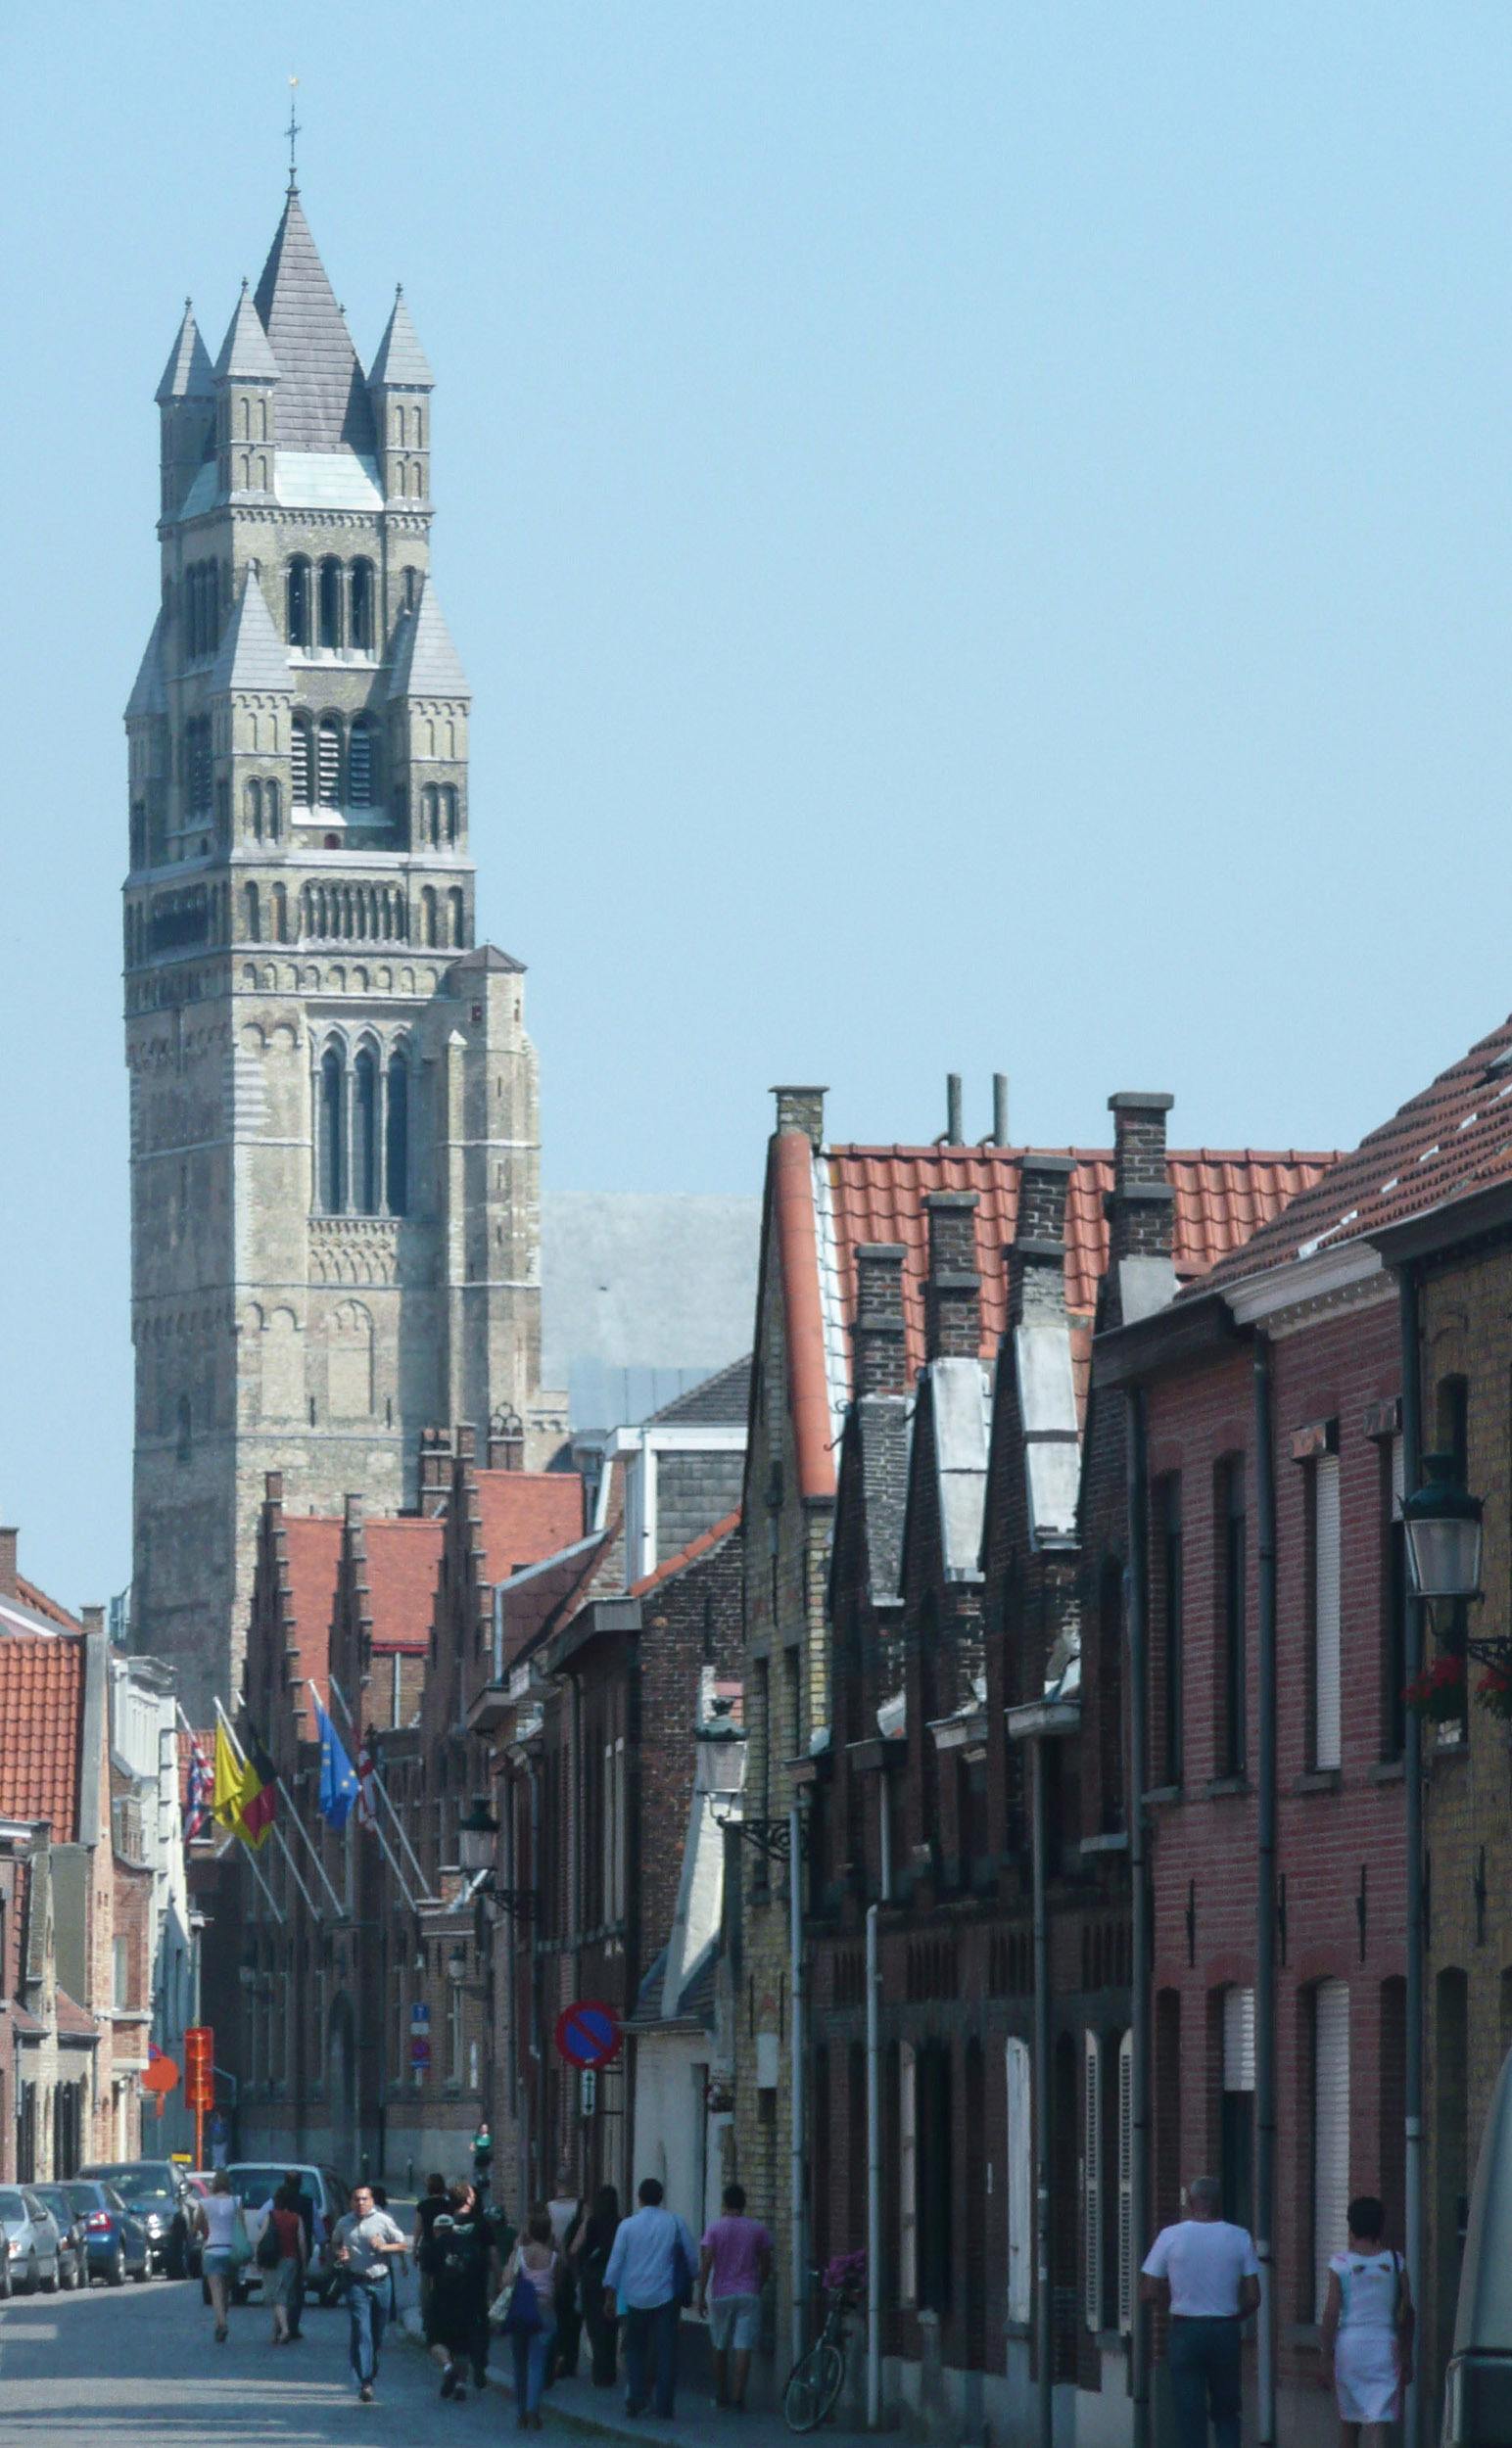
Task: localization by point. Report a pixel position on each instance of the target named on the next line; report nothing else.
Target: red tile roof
(312, 1547)
(41, 1708)
(696, 1548)
(72, 2018)
(1451, 1138)
(40, 1604)
(403, 1558)
(526, 1516)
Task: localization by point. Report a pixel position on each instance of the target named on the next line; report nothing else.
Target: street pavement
(137, 2367)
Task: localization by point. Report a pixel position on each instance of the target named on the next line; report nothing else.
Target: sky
(979, 535)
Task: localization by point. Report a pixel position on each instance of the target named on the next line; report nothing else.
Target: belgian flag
(260, 1790)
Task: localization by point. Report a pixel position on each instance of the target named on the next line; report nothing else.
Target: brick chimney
(352, 1512)
(465, 1442)
(506, 1441)
(802, 1110)
(953, 1309)
(434, 1469)
(880, 1364)
(1141, 1208)
(273, 1489)
(1036, 1255)
(9, 1587)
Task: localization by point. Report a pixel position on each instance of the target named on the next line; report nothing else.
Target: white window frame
(1327, 1657)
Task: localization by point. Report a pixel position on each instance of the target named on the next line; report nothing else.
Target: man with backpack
(650, 2279)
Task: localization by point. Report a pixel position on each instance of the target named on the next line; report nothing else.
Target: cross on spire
(294, 131)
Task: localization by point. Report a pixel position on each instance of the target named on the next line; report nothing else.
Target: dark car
(154, 2189)
(114, 2238)
(71, 2255)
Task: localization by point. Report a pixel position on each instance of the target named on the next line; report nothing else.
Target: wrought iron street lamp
(477, 1851)
(1442, 1523)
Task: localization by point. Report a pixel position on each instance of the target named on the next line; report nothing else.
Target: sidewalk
(599, 2413)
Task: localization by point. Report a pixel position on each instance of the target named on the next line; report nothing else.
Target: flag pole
(283, 1841)
(382, 1791)
(254, 1863)
(388, 1850)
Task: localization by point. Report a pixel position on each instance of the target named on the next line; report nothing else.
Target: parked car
(71, 2253)
(154, 2189)
(256, 2181)
(31, 2239)
(114, 2238)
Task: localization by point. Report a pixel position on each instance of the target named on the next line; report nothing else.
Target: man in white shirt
(1205, 2269)
(649, 2278)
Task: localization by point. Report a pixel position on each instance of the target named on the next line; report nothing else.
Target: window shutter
(1020, 2182)
(908, 2176)
(1092, 2180)
(1326, 1729)
(360, 764)
(1239, 2040)
(1127, 2183)
(299, 765)
(329, 755)
(1330, 2130)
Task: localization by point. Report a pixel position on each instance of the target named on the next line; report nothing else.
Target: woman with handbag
(527, 2301)
(218, 2217)
(1368, 2321)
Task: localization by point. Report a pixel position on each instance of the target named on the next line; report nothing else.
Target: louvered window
(298, 764)
(908, 2176)
(1237, 2126)
(1327, 1739)
(1092, 2180)
(1020, 2183)
(1127, 2183)
(360, 764)
(328, 771)
(1330, 2131)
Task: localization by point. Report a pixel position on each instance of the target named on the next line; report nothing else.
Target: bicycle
(817, 2379)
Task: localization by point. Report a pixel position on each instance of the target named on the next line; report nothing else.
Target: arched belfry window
(271, 801)
(300, 761)
(332, 1134)
(330, 603)
(364, 1134)
(328, 769)
(360, 764)
(363, 606)
(427, 917)
(253, 916)
(458, 926)
(299, 602)
(396, 1135)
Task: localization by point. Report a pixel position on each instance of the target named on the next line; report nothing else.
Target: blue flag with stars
(338, 1776)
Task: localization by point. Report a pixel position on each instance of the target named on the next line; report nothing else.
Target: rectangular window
(1393, 1602)
(1231, 1528)
(1171, 1571)
(908, 2175)
(120, 1964)
(1453, 1421)
(1020, 2183)
(1092, 2180)
(1237, 2136)
(1323, 1549)
(1126, 2183)
(1330, 2130)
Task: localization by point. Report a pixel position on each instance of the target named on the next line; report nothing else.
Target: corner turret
(186, 399)
(399, 387)
(246, 405)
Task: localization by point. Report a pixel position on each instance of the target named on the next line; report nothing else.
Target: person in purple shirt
(734, 2262)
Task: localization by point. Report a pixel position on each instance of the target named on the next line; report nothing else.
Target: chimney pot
(1000, 1108)
(801, 1109)
(92, 1619)
(8, 1569)
(880, 1353)
(953, 1132)
(354, 1510)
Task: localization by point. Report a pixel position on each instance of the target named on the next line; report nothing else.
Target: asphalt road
(137, 2367)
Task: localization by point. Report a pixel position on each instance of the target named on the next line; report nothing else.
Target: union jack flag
(197, 1805)
(366, 1812)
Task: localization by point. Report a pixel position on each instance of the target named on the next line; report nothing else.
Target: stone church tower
(335, 1147)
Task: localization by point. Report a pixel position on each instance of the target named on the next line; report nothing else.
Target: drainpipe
(1412, 1779)
(1136, 1468)
(534, 2090)
(1266, 1898)
(797, 2246)
(1044, 2335)
(873, 2170)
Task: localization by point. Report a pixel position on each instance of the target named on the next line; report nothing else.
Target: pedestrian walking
(650, 2275)
(428, 2210)
(363, 2245)
(1204, 2268)
(529, 2298)
(567, 2212)
(457, 2321)
(219, 2219)
(734, 2262)
(595, 2242)
(1368, 2323)
(302, 2201)
(284, 2264)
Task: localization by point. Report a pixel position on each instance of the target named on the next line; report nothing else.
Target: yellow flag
(228, 1790)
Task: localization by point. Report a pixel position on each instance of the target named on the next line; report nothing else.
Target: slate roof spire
(187, 373)
(252, 654)
(245, 356)
(401, 360)
(322, 400)
(426, 664)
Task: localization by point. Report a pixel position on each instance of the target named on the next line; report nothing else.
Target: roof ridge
(713, 1537)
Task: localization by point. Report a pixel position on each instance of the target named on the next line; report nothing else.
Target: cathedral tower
(335, 1150)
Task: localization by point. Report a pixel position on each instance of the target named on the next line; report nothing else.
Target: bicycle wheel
(813, 2386)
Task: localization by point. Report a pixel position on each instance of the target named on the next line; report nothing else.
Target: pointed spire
(187, 373)
(323, 402)
(401, 359)
(245, 356)
(251, 653)
(426, 664)
(148, 694)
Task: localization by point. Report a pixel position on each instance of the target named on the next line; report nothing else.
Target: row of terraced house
(965, 1747)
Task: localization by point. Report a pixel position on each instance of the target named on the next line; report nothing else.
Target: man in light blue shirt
(651, 2278)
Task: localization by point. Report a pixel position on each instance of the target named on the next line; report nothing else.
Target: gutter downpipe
(1043, 2339)
(1139, 1881)
(1412, 1778)
(1266, 1898)
(800, 2039)
(875, 2122)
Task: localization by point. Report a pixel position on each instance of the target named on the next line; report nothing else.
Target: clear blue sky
(979, 534)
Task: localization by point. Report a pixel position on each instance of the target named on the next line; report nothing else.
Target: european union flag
(338, 1776)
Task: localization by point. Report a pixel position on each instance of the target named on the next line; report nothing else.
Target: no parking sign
(589, 2034)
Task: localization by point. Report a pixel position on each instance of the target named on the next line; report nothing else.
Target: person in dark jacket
(462, 2269)
(306, 2207)
(595, 2240)
(428, 2209)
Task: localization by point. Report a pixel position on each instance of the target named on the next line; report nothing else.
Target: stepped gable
(312, 1559)
(322, 398)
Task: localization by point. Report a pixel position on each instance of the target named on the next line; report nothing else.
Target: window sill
(1386, 1771)
(1119, 1843)
(1161, 1797)
(1319, 1782)
(1217, 1787)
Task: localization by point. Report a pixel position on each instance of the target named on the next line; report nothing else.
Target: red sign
(161, 2073)
(200, 2067)
(589, 2034)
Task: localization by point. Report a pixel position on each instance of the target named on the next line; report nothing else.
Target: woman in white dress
(1367, 2329)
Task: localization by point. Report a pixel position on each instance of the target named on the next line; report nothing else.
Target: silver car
(32, 2243)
